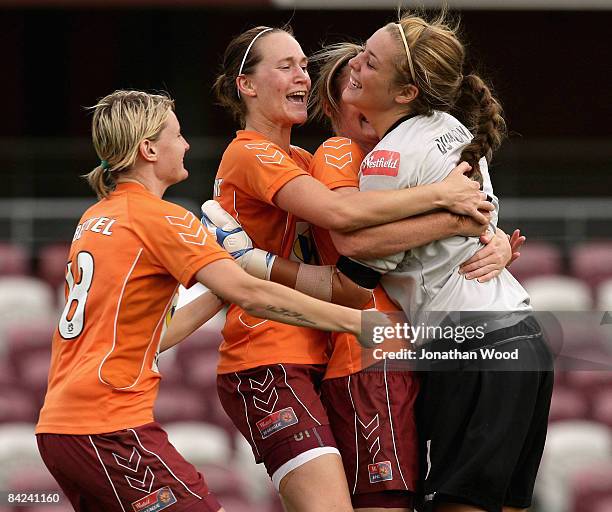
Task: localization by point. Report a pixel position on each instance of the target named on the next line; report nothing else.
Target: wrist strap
(365, 277)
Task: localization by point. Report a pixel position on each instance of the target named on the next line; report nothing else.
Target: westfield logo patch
(381, 163)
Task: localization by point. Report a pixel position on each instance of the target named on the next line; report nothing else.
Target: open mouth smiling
(297, 97)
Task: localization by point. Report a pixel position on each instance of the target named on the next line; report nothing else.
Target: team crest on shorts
(276, 421)
(380, 472)
(158, 500)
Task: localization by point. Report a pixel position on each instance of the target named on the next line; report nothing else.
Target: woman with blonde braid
(269, 374)
(483, 432)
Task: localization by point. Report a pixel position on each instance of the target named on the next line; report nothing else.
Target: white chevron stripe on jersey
(365, 428)
(131, 464)
(336, 142)
(143, 485)
(374, 449)
(275, 158)
(259, 145)
(339, 162)
(270, 157)
(270, 403)
(186, 221)
(262, 386)
(192, 232)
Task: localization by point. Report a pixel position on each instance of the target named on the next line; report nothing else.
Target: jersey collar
(397, 123)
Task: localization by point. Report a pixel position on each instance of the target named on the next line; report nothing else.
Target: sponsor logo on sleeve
(380, 472)
(381, 163)
(276, 421)
(158, 500)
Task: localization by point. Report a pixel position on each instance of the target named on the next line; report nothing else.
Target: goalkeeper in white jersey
(482, 431)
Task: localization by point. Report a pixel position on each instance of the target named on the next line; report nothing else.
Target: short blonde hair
(121, 121)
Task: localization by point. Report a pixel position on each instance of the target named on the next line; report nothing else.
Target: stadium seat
(537, 259)
(33, 337)
(200, 443)
(570, 447)
(604, 295)
(590, 382)
(17, 449)
(179, 403)
(602, 407)
(258, 485)
(567, 404)
(589, 485)
(558, 293)
(23, 299)
(13, 260)
(17, 405)
(603, 504)
(33, 375)
(200, 370)
(52, 263)
(592, 262)
(205, 339)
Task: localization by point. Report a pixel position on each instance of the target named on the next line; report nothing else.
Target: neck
(146, 178)
(382, 121)
(279, 134)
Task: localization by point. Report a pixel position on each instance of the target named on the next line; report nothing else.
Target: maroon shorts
(278, 410)
(131, 470)
(372, 418)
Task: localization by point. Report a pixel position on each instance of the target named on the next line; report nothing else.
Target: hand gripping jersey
(417, 151)
(127, 257)
(336, 164)
(251, 172)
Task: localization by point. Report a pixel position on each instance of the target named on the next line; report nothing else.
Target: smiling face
(371, 86)
(170, 147)
(277, 89)
(350, 122)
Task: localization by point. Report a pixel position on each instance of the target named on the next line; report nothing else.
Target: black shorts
(482, 431)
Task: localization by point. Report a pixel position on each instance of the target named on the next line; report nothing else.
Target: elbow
(250, 296)
(349, 245)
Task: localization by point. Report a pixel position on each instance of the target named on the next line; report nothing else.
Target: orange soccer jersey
(336, 164)
(128, 254)
(251, 172)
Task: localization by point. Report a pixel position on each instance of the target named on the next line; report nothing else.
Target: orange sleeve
(178, 240)
(336, 163)
(264, 169)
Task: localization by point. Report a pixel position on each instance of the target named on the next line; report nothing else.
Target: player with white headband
(357, 388)
(483, 432)
(269, 375)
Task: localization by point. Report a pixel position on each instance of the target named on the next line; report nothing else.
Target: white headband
(246, 54)
(401, 31)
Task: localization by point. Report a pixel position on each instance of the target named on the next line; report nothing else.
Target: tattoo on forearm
(290, 314)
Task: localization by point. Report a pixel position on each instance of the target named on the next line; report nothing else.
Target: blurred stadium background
(550, 63)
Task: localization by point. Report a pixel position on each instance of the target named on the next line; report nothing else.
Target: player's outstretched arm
(189, 318)
(312, 201)
(323, 282)
(273, 301)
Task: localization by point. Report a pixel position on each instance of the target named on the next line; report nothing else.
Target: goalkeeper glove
(236, 241)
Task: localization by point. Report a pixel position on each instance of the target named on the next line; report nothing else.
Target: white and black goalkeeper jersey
(417, 151)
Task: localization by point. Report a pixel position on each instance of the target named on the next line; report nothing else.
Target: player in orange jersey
(352, 394)
(268, 373)
(96, 431)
